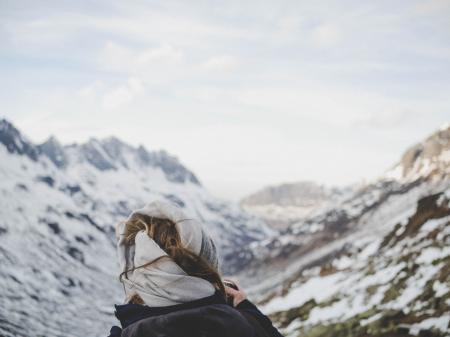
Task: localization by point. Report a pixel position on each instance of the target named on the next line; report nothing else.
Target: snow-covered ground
(377, 276)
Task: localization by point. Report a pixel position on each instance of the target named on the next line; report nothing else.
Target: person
(170, 275)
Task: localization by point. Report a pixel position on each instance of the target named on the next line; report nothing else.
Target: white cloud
(42, 31)
(327, 35)
(331, 105)
(111, 97)
(166, 53)
(117, 97)
(431, 6)
(116, 57)
(92, 90)
(223, 63)
(389, 117)
(208, 94)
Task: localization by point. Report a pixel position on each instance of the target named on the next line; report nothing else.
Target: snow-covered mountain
(58, 207)
(376, 263)
(283, 205)
(429, 159)
(371, 260)
(396, 284)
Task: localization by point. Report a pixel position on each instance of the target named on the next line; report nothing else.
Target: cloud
(112, 97)
(90, 91)
(119, 58)
(391, 117)
(117, 97)
(222, 63)
(431, 6)
(326, 35)
(42, 31)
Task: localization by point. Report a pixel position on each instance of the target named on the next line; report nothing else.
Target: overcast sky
(245, 93)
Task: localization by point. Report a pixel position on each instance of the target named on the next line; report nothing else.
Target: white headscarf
(164, 283)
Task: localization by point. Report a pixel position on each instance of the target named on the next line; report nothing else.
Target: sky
(245, 93)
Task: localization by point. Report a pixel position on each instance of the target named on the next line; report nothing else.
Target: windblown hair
(165, 234)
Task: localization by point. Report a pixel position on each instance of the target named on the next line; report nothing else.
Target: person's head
(165, 233)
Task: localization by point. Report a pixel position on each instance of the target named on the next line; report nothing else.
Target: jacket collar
(129, 313)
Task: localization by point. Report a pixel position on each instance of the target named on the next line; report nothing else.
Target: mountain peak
(112, 139)
(445, 127)
(427, 159)
(108, 153)
(53, 149)
(94, 153)
(172, 168)
(15, 142)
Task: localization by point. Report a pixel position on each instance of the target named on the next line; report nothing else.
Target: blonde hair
(164, 232)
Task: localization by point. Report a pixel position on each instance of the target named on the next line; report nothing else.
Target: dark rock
(12, 277)
(81, 240)
(54, 226)
(92, 222)
(22, 187)
(84, 217)
(46, 179)
(75, 253)
(70, 215)
(71, 189)
(34, 297)
(64, 292)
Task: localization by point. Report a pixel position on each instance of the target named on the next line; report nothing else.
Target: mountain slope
(369, 207)
(58, 207)
(396, 285)
(429, 158)
(314, 277)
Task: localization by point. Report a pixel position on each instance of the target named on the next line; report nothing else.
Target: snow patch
(439, 323)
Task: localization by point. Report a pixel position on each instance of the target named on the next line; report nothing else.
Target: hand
(237, 295)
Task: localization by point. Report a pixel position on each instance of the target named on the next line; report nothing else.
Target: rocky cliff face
(58, 206)
(429, 158)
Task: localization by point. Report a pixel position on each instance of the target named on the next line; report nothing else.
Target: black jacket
(207, 317)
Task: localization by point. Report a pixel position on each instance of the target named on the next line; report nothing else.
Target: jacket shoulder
(215, 320)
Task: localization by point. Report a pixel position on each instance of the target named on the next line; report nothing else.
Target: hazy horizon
(245, 94)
